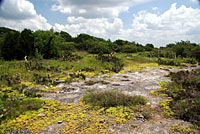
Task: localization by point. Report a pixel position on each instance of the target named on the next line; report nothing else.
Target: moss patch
(183, 129)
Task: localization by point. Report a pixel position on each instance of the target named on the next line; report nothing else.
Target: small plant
(90, 82)
(39, 79)
(12, 107)
(114, 64)
(9, 79)
(31, 92)
(183, 129)
(69, 56)
(112, 99)
(168, 62)
(77, 75)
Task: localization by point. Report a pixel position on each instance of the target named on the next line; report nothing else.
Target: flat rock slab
(137, 83)
(52, 129)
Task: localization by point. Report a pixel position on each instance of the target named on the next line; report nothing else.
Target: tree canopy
(50, 44)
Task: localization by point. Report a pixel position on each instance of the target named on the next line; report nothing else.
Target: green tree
(129, 48)
(196, 53)
(100, 48)
(11, 48)
(27, 42)
(47, 42)
(67, 37)
(149, 47)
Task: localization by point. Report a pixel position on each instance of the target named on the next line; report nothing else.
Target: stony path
(137, 83)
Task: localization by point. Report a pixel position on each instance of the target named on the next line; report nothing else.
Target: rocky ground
(137, 83)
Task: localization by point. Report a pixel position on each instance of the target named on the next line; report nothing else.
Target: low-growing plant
(40, 79)
(112, 98)
(13, 107)
(113, 63)
(90, 82)
(9, 79)
(184, 93)
(32, 92)
(183, 129)
(69, 56)
(168, 62)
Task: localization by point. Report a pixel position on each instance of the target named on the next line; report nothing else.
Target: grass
(112, 98)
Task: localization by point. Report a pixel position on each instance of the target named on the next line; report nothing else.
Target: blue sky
(149, 21)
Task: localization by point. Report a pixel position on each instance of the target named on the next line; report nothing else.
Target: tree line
(51, 44)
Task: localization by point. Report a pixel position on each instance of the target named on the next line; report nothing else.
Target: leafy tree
(196, 53)
(3, 33)
(67, 47)
(67, 37)
(129, 49)
(100, 48)
(11, 48)
(47, 43)
(27, 42)
(149, 47)
(121, 42)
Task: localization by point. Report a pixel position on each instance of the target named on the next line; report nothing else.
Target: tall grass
(112, 98)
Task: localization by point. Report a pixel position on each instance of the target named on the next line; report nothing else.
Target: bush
(185, 93)
(31, 92)
(168, 62)
(112, 99)
(116, 63)
(12, 108)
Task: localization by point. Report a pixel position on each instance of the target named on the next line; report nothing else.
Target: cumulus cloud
(95, 8)
(20, 14)
(97, 27)
(173, 25)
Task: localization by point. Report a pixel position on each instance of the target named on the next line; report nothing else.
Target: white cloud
(20, 14)
(154, 8)
(97, 27)
(173, 25)
(95, 8)
(194, 0)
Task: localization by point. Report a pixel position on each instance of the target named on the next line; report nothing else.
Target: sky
(159, 22)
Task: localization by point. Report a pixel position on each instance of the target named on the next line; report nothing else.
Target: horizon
(150, 21)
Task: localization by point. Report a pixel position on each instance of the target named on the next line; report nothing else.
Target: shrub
(69, 56)
(39, 79)
(185, 94)
(112, 99)
(12, 108)
(167, 62)
(116, 63)
(31, 92)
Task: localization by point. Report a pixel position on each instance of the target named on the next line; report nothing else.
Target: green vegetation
(112, 98)
(182, 129)
(57, 57)
(183, 93)
(50, 44)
